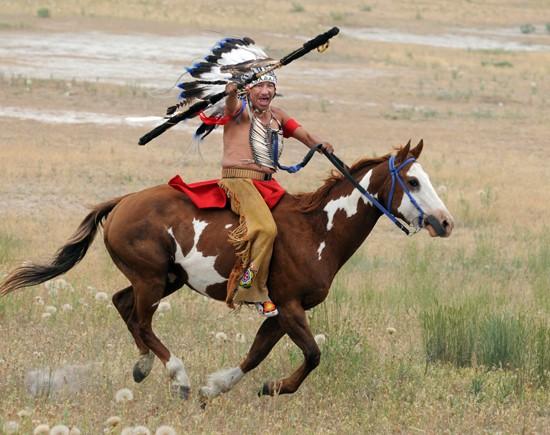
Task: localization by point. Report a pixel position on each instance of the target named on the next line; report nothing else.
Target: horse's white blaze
(348, 203)
(320, 249)
(199, 267)
(425, 196)
(177, 372)
(221, 382)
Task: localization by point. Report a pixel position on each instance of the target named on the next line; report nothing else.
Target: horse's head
(408, 193)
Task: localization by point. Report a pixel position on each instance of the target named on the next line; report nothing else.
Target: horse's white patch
(320, 250)
(177, 372)
(348, 203)
(221, 382)
(228, 226)
(425, 196)
(199, 268)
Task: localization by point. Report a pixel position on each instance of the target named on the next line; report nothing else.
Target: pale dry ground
(486, 132)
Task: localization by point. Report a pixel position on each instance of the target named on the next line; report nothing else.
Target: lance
(320, 41)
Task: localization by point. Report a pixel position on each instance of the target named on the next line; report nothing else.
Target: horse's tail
(66, 257)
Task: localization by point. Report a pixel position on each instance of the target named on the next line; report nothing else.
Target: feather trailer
(230, 60)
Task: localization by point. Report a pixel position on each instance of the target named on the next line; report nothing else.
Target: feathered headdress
(230, 60)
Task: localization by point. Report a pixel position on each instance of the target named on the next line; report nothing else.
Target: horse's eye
(413, 182)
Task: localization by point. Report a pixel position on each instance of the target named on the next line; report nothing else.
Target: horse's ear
(403, 152)
(417, 149)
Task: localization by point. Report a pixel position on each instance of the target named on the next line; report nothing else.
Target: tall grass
(467, 336)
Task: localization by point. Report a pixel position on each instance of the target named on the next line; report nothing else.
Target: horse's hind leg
(148, 292)
(222, 381)
(293, 321)
(123, 300)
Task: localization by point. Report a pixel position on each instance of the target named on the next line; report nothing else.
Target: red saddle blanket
(207, 194)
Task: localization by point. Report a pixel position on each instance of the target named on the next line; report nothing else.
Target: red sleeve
(290, 127)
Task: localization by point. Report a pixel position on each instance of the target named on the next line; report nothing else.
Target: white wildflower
(61, 284)
(75, 431)
(59, 429)
(50, 309)
(38, 300)
(141, 430)
(221, 336)
(24, 413)
(390, 330)
(124, 395)
(66, 307)
(113, 421)
(165, 430)
(41, 429)
(239, 338)
(46, 315)
(11, 427)
(164, 307)
(320, 339)
(101, 297)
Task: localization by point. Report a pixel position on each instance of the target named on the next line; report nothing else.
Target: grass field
(422, 335)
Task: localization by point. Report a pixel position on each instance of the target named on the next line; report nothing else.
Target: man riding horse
(251, 128)
(252, 144)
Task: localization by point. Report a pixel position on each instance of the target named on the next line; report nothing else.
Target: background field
(423, 335)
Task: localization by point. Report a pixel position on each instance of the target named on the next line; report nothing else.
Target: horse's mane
(309, 201)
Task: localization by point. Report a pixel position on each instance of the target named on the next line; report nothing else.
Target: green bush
(527, 28)
(43, 13)
(297, 7)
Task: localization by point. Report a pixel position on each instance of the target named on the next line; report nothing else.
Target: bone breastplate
(264, 139)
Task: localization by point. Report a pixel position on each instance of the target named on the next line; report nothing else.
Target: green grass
(9, 245)
(469, 335)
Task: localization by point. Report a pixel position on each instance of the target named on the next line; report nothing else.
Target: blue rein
(343, 168)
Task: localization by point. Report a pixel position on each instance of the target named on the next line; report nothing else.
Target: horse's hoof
(180, 391)
(204, 397)
(138, 374)
(143, 367)
(265, 391)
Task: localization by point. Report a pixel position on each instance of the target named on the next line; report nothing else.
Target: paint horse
(161, 241)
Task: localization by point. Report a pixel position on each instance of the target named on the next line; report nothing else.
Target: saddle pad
(207, 194)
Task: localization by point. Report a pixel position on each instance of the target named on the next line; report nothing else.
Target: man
(251, 130)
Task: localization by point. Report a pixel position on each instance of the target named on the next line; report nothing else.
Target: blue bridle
(394, 173)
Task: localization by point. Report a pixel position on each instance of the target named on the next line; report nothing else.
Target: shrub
(43, 13)
(527, 28)
(297, 7)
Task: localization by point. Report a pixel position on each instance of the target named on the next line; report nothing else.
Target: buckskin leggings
(253, 238)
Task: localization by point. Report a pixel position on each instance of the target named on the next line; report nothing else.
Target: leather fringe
(239, 239)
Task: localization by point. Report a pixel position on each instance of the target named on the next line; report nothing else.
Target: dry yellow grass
(486, 131)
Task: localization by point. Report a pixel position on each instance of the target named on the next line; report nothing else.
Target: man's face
(261, 95)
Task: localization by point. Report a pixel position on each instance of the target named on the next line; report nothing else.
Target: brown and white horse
(161, 241)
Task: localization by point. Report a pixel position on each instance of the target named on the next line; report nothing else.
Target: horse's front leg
(222, 381)
(293, 321)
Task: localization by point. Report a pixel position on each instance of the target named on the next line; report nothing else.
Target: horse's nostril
(445, 224)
